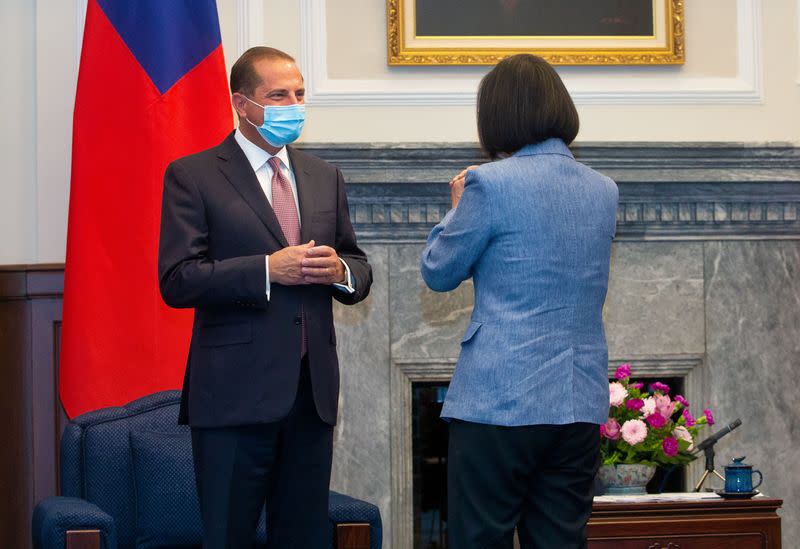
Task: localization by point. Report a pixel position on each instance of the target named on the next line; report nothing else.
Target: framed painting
(564, 32)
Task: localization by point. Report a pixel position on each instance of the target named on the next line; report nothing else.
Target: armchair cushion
(98, 445)
(167, 513)
(53, 516)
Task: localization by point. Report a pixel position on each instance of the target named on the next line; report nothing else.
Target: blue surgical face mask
(282, 123)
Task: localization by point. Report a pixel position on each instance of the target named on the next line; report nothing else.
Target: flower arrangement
(648, 427)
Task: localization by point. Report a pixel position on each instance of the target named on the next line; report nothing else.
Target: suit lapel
(305, 193)
(237, 170)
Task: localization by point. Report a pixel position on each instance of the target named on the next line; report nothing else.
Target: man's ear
(239, 101)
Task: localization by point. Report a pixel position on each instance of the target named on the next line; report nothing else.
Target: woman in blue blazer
(533, 229)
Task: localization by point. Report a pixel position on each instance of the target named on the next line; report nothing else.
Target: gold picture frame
(664, 46)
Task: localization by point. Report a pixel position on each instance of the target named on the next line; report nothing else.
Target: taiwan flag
(151, 88)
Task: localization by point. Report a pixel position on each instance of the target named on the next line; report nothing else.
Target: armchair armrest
(346, 512)
(54, 516)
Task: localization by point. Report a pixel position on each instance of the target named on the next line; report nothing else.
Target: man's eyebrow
(284, 90)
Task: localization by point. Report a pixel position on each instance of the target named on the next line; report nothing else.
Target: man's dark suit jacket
(216, 227)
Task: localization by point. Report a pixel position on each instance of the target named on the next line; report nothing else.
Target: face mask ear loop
(254, 103)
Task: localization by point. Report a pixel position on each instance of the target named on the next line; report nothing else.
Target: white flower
(649, 406)
(617, 393)
(682, 433)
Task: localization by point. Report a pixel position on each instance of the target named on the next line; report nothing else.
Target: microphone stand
(708, 448)
(709, 452)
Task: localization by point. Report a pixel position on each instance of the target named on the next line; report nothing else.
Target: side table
(686, 524)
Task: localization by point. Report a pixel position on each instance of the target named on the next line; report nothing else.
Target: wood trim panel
(352, 536)
(31, 281)
(47, 415)
(16, 458)
(82, 539)
(30, 326)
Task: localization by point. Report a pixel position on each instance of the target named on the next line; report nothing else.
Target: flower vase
(626, 479)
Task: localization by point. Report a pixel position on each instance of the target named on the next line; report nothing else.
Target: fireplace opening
(429, 461)
(429, 465)
(672, 479)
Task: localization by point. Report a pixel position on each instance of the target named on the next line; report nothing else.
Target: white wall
(741, 82)
(17, 134)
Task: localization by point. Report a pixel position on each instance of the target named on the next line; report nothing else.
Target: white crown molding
(797, 37)
(80, 22)
(249, 25)
(744, 88)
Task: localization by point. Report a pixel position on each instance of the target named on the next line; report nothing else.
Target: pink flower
(709, 416)
(664, 405)
(633, 431)
(623, 372)
(682, 400)
(670, 446)
(659, 387)
(617, 393)
(688, 417)
(656, 421)
(637, 385)
(682, 433)
(635, 404)
(610, 429)
(649, 406)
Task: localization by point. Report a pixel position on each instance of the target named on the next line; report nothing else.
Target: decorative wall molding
(406, 372)
(249, 25)
(668, 191)
(80, 21)
(745, 87)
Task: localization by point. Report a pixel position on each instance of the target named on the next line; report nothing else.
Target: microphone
(710, 441)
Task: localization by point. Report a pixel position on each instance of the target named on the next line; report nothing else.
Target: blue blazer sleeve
(458, 241)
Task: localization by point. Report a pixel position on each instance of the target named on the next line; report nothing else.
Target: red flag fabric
(151, 88)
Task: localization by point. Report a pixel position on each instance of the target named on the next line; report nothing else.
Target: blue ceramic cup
(739, 477)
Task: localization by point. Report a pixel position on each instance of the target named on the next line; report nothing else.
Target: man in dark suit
(256, 237)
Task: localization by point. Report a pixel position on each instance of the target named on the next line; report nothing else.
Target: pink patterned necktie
(286, 211)
(283, 203)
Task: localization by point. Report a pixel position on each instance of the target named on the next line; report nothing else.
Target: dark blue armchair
(127, 482)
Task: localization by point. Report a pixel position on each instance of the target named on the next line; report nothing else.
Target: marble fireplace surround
(705, 285)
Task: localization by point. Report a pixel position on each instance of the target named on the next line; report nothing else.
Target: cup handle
(760, 479)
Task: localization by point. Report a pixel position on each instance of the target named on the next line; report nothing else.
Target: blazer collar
(305, 192)
(237, 170)
(554, 145)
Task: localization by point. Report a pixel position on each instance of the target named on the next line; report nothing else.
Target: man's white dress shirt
(259, 161)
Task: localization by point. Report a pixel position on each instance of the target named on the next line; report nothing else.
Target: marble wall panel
(425, 324)
(735, 302)
(753, 358)
(654, 304)
(655, 300)
(361, 440)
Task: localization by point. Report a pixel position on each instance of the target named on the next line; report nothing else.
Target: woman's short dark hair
(522, 101)
(244, 78)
